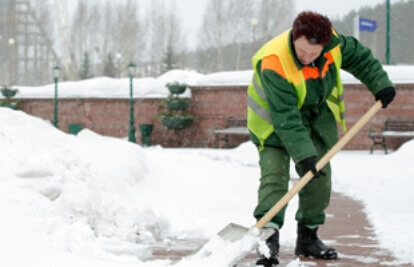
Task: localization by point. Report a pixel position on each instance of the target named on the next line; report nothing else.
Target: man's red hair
(315, 27)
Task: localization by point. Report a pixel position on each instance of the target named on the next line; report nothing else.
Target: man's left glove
(386, 96)
(309, 164)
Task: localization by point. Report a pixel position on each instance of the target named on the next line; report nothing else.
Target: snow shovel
(234, 232)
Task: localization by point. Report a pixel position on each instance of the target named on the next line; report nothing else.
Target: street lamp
(56, 75)
(131, 131)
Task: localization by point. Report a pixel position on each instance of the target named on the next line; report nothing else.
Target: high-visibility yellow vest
(258, 116)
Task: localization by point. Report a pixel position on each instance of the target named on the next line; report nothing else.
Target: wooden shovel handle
(321, 163)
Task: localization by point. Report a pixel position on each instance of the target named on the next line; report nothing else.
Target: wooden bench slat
(397, 134)
(233, 130)
(236, 123)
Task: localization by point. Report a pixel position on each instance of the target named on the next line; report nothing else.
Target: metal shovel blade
(233, 233)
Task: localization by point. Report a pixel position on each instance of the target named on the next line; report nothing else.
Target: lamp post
(388, 35)
(131, 131)
(56, 75)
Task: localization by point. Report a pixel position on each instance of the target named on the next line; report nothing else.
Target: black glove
(386, 96)
(309, 164)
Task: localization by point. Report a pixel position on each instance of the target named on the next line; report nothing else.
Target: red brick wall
(104, 116)
(212, 106)
(358, 100)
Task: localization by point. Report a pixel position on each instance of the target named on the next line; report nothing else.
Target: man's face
(305, 51)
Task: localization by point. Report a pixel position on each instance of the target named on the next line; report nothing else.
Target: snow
(91, 200)
(104, 87)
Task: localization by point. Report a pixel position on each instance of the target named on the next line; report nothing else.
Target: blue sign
(367, 25)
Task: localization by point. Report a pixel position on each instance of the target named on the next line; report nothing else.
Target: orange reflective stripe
(272, 62)
(310, 73)
(313, 73)
(327, 64)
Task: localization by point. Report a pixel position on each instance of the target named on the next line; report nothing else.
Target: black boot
(308, 244)
(273, 243)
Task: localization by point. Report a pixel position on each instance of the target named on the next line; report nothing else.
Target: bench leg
(216, 143)
(219, 138)
(379, 143)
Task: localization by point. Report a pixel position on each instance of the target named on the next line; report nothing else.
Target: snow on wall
(104, 87)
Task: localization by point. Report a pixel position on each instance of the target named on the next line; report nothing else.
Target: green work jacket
(294, 127)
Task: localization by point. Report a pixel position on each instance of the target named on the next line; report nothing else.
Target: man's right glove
(386, 96)
(309, 164)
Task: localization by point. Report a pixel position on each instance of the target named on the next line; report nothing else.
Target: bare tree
(111, 39)
(79, 32)
(156, 36)
(212, 31)
(87, 38)
(238, 25)
(42, 59)
(175, 42)
(107, 26)
(275, 17)
(128, 34)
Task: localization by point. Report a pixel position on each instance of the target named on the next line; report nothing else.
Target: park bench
(392, 129)
(234, 126)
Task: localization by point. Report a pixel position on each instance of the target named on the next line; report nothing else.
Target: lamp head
(56, 72)
(131, 69)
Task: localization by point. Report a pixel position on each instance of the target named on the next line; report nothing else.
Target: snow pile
(73, 194)
(226, 78)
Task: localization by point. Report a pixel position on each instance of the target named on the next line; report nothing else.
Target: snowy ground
(90, 200)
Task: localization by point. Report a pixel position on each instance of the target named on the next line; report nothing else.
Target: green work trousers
(274, 183)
